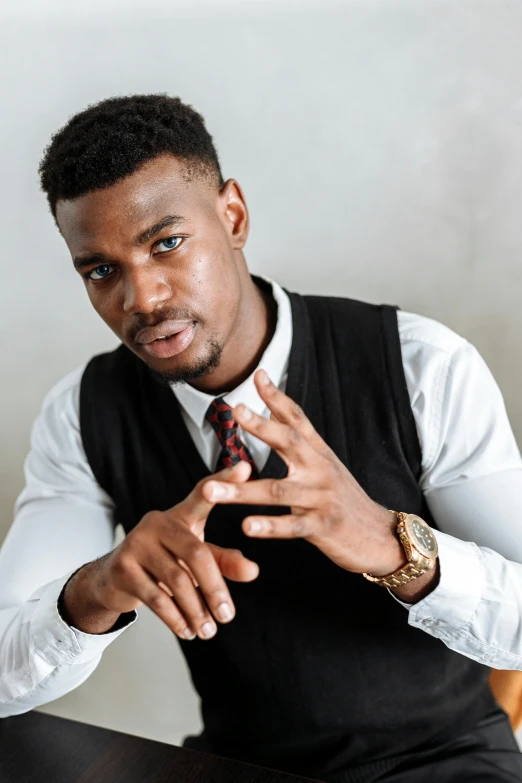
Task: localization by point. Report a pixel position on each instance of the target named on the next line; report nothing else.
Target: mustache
(173, 313)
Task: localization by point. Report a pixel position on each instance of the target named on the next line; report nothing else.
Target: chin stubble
(184, 374)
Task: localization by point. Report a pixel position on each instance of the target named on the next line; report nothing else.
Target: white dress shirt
(471, 476)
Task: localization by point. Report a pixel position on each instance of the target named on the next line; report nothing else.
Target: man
(275, 460)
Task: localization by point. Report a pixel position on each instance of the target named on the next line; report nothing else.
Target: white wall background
(380, 147)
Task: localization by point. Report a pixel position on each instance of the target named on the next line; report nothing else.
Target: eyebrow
(150, 233)
(80, 262)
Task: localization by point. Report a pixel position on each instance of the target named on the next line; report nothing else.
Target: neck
(242, 353)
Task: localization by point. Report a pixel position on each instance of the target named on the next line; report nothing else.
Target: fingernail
(255, 527)
(246, 414)
(263, 378)
(208, 630)
(187, 634)
(219, 492)
(224, 612)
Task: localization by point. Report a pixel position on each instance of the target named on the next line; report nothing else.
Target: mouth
(170, 339)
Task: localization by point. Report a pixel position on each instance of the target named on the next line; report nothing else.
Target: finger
(289, 412)
(182, 543)
(286, 526)
(145, 588)
(234, 565)
(284, 439)
(188, 600)
(185, 567)
(237, 473)
(231, 562)
(196, 507)
(268, 492)
(273, 416)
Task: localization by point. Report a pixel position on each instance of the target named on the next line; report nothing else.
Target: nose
(144, 290)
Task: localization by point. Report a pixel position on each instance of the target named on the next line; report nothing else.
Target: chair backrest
(507, 689)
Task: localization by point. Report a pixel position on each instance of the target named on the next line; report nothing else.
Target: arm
(471, 442)
(62, 520)
(67, 594)
(472, 480)
(477, 607)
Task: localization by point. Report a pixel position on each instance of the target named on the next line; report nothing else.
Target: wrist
(389, 553)
(419, 588)
(421, 554)
(79, 606)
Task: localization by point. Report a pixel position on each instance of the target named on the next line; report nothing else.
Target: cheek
(105, 304)
(215, 278)
(220, 282)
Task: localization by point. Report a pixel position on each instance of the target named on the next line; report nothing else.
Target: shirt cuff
(60, 643)
(452, 604)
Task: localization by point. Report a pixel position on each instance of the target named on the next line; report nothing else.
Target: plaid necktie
(233, 449)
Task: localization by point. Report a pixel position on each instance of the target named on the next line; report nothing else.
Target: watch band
(402, 576)
(416, 566)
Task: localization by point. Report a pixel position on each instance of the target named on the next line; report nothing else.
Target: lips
(161, 331)
(165, 347)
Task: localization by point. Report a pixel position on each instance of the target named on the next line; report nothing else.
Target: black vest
(319, 673)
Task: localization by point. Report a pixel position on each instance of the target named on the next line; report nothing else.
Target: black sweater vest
(319, 673)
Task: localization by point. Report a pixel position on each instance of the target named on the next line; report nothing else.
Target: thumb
(196, 507)
(237, 473)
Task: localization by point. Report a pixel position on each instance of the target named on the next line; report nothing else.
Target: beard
(189, 372)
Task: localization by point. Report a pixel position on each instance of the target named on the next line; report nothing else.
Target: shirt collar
(274, 361)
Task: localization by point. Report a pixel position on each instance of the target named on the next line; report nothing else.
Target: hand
(160, 563)
(328, 507)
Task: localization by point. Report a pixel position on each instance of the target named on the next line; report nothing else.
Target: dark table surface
(38, 748)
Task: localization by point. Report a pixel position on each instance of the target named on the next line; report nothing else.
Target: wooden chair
(507, 689)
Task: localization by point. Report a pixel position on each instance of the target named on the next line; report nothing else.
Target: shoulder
(457, 404)
(432, 355)
(438, 362)
(65, 393)
(425, 343)
(56, 465)
(57, 426)
(429, 350)
(65, 390)
(428, 336)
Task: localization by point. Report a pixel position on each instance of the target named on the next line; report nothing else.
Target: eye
(170, 243)
(103, 271)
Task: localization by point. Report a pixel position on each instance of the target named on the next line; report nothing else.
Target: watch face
(421, 536)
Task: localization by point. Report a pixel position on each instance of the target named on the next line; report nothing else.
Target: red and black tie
(233, 450)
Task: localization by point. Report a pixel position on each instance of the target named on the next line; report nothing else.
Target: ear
(234, 213)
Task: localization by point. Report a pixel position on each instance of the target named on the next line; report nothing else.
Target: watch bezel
(408, 526)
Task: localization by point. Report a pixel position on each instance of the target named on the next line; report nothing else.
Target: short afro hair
(111, 139)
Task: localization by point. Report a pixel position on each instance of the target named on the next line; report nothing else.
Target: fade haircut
(111, 139)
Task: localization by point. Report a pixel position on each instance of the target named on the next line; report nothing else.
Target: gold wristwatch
(420, 546)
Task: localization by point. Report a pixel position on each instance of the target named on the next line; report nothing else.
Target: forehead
(158, 188)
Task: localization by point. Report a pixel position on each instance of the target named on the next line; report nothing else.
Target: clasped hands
(328, 507)
(165, 563)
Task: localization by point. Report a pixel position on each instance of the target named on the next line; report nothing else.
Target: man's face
(159, 253)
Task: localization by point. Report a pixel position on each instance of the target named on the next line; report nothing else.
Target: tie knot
(219, 414)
